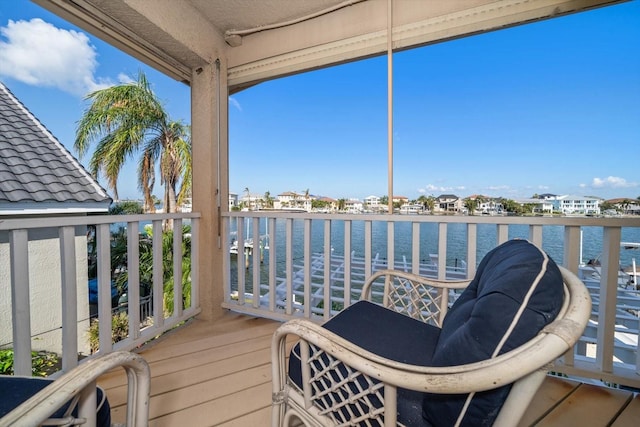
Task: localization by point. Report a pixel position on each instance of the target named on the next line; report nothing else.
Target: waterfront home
(448, 203)
(39, 178)
(372, 203)
(576, 205)
(539, 205)
(626, 206)
(215, 369)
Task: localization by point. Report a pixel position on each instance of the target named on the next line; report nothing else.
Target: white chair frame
(525, 367)
(81, 381)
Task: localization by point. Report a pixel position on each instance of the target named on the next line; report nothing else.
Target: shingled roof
(37, 173)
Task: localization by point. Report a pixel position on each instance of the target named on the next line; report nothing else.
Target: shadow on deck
(219, 374)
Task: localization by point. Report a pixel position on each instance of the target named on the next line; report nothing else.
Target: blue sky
(550, 107)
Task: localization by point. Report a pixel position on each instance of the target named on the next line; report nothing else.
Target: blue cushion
(477, 321)
(389, 334)
(16, 390)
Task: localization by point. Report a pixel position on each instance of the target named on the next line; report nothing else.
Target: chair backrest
(516, 292)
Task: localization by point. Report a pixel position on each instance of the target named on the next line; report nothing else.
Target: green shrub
(119, 330)
(43, 363)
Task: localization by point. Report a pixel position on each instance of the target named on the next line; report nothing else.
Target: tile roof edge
(57, 143)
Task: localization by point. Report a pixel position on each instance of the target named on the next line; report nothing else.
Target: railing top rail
(72, 220)
(472, 219)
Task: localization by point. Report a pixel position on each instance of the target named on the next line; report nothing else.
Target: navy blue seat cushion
(389, 334)
(16, 390)
(477, 321)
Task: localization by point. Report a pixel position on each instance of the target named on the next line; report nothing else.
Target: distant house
(233, 201)
(293, 200)
(626, 206)
(372, 203)
(401, 200)
(330, 203)
(353, 206)
(538, 205)
(448, 203)
(38, 176)
(576, 205)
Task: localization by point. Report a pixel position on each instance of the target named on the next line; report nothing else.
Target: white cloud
(430, 188)
(37, 53)
(611, 182)
(498, 188)
(235, 103)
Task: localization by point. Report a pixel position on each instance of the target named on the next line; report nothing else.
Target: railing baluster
(195, 264)
(347, 263)
(608, 298)
(242, 261)
(442, 251)
(20, 303)
(502, 233)
(289, 265)
(535, 235)
(67, 237)
(133, 279)
(307, 267)
(415, 247)
(177, 268)
(158, 275)
(472, 249)
(103, 249)
(256, 260)
(272, 263)
(328, 279)
(391, 263)
(368, 270)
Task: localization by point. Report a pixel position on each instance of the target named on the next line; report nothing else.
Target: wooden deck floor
(218, 374)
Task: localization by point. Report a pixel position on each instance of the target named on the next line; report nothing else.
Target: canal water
(552, 237)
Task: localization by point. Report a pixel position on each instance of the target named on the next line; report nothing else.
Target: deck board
(630, 416)
(589, 405)
(552, 391)
(218, 373)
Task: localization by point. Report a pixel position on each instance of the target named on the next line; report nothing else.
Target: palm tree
(248, 197)
(129, 118)
(471, 205)
(268, 199)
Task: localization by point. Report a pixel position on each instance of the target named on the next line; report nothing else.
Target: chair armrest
(416, 296)
(81, 380)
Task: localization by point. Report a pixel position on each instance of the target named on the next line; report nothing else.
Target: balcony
(218, 366)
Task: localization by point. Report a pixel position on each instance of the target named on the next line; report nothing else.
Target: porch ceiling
(179, 36)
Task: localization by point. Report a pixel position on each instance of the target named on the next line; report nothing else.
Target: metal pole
(390, 104)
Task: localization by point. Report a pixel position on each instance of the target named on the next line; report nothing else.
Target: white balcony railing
(282, 273)
(276, 268)
(45, 266)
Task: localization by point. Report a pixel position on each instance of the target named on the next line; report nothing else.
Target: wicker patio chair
(72, 398)
(408, 360)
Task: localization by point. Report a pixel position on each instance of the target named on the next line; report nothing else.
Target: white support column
(209, 110)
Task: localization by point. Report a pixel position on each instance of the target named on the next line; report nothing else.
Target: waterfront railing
(312, 265)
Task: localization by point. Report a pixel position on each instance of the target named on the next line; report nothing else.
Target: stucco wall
(45, 291)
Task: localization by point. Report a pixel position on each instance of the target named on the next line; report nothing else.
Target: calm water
(552, 237)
